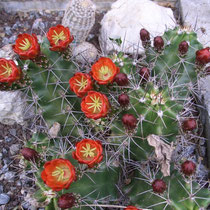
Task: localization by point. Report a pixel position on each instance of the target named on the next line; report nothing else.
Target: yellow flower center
(7, 68)
(59, 173)
(82, 84)
(96, 104)
(87, 151)
(104, 72)
(25, 45)
(58, 37)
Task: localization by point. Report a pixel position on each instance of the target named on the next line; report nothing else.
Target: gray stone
(4, 169)
(7, 139)
(9, 176)
(12, 39)
(8, 30)
(4, 198)
(4, 151)
(12, 131)
(197, 14)
(1, 188)
(1, 155)
(14, 149)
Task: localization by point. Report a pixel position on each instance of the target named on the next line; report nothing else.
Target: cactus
(79, 17)
(137, 100)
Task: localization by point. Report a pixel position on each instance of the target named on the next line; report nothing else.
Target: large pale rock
(13, 108)
(127, 18)
(7, 52)
(197, 15)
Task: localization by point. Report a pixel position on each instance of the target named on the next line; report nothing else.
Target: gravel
(4, 198)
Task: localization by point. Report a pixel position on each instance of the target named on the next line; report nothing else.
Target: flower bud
(183, 47)
(123, 99)
(159, 186)
(188, 167)
(29, 154)
(203, 56)
(129, 121)
(121, 79)
(158, 43)
(144, 35)
(144, 73)
(66, 201)
(189, 124)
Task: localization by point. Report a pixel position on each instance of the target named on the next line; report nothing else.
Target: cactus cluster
(110, 127)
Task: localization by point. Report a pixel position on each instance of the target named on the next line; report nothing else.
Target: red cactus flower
(80, 84)
(129, 121)
(104, 71)
(158, 43)
(144, 72)
(144, 35)
(88, 152)
(189, 124)
(95, 105)
(121, 79)
(183, 47)
(159, 186)
(123, 99)
(9, 72)
(66, 201)
(188, 167)
(58, 174)
(59, 38)
(203, 56)
(29, 154)
(27, 46)
(131, 208)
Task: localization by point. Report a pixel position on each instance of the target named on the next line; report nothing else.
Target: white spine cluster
(80, 18)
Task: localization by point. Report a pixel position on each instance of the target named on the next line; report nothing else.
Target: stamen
(59, 172)
(88, 151)
(7, 68)
(96, 104)
(25, 45)
(82, 84)
(58, 37)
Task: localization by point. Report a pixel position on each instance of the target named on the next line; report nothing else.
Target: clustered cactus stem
(100, 122)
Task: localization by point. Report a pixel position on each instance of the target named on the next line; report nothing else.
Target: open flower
(59, 38)
(26, 46)
(104, 71)
(80, 84)
(88, 152)
(9, 72)
(58, 174)
(95, 105)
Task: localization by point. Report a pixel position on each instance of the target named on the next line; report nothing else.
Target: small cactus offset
(80, 18)
(110, 128)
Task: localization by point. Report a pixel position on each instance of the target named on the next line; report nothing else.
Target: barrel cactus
(111, 128)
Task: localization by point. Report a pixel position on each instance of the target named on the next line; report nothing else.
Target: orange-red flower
(58, 174)
(95, 105)
(131, 208)
(104, 71)
(26, 46)
(59, 38)
(9, 72)
(88, 152)
(80, 84)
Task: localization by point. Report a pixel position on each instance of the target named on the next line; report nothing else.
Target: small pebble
(9, 176)
(12, 131)
(7, 139)
(4, 199)
(14, 149)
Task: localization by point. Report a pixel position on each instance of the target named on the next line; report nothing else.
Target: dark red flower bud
(158, 43)
(121, 79)
(66, 201)
(129, 121)
(123, 99)
(189, 124)
(203, 56)
(188, 167)
(29, 154)
(144, 35)
(159, 186)
(183, 47)
(144, 73)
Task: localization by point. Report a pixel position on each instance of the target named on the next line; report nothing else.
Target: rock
(38, 24)
(4, 198)
(8, 30)
(85, 52)
(1, 155)
(126, 19)
(9, 176)
(197, 14)
(1, 188)
(7, 139)
(14, 149)
(12, 39)
(7, 52)
(13, 108)
(12, 131)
